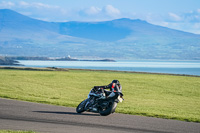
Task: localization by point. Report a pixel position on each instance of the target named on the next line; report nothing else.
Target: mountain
(118, 39)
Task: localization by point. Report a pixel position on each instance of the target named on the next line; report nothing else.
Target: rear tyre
(81, 107)
(109, 109)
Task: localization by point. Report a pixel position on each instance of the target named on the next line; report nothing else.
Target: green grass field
(163, 96)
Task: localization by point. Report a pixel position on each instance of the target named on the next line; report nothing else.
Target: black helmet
(116, 81)
(117, 87)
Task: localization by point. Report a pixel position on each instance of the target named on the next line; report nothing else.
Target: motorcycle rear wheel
(108, 110)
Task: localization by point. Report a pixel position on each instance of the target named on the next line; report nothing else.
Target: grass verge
(162, 96)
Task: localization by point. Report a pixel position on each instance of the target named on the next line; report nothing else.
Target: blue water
(154, 66)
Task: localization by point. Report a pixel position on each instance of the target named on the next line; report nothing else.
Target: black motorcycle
(95, 103)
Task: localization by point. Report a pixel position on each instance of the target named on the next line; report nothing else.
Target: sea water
(153, 66)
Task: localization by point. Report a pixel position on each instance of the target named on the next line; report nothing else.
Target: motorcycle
(97, 103)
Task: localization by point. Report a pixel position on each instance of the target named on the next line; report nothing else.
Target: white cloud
(24, 4)
(56, 13)
(93, 10)
(192, 17)
(111, 11)
(38, 5)
(37, 10)
(198, 10)
(175, 17)
(185, 21)
(41, 5)
(93, 13)
(107, 10)
(8, 4)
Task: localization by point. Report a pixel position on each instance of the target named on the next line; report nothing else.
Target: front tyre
(81, 107)
(114, 107)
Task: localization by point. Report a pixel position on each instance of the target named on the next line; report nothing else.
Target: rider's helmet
(116, 85)
(116, 81)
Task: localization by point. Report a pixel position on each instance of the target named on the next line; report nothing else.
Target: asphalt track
(19, 115)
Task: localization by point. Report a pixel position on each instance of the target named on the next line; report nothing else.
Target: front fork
(89, 103)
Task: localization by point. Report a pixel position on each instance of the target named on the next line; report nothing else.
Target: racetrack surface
(20, 115)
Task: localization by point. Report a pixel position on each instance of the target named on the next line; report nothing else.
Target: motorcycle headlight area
(120, 99)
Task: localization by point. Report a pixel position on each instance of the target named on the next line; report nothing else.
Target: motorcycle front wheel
(81, 107)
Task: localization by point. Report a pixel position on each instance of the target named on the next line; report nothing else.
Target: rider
(114, 86)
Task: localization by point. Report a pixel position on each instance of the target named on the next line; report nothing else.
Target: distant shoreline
(14, 61)
(57, 59)
(8, 61)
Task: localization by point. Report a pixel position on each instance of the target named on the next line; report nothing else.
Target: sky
(182, 15)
